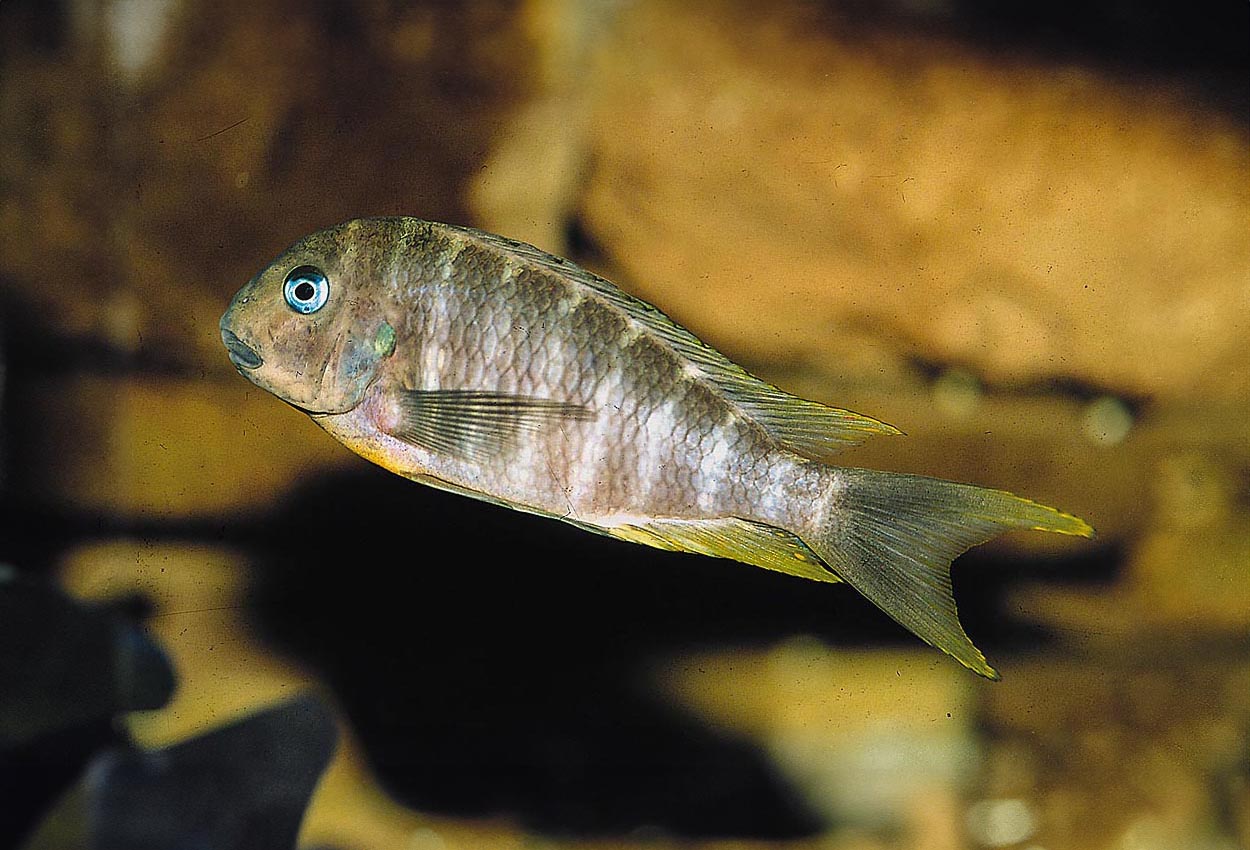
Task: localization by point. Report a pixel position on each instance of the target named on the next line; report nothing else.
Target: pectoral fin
(476, 424)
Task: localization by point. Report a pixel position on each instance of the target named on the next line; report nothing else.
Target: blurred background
(1019, 232)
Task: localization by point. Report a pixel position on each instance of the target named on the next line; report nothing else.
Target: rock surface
(805, 192)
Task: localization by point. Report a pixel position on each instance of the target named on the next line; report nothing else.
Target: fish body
(485, 366)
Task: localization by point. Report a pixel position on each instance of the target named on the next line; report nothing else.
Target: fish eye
(306, 289)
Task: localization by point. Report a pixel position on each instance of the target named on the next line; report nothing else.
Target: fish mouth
(241, 354)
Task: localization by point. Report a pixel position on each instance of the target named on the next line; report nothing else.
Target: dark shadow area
(34, 774)
(984, 579)
(491, 661)
(67, 669)
(1168, 36)
(1137, 404)
(1203, 46)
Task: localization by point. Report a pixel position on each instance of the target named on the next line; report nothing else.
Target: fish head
(311, 327)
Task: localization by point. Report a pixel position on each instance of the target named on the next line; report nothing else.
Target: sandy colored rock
(802, 191)
(165, 449)
(529, 183)
(1139, 747)
(876, 742)
(197, 593)
(1186, 572)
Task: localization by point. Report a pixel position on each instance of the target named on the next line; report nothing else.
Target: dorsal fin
(805, 427)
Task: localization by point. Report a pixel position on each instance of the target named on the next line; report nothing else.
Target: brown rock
(802, 192)
(142, 189)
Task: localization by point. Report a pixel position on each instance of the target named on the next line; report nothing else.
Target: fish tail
(892, 537)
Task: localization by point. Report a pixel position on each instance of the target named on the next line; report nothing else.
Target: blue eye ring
(306, 289)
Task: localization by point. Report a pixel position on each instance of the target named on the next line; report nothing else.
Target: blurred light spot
(136, 30)
(241, 180)
(999, 823)
(122, 321)
(869, 779)
(725, 111)
(426, 839)
(1144, 834)
(957, 393)
(1107, 420)
(1193, 491)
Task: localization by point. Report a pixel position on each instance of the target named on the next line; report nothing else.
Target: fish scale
(495, 338)
(484, 366)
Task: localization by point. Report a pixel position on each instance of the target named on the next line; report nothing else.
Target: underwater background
(1020, 234)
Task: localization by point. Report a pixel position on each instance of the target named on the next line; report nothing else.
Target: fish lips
(246, 359)
(241, 354)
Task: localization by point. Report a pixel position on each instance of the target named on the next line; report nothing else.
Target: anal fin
(753, 543)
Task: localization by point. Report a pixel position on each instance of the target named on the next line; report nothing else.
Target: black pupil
(304, 291)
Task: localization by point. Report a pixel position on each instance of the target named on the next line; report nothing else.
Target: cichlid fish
(488, 367)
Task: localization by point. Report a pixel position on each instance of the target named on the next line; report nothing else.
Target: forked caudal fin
(892, 537)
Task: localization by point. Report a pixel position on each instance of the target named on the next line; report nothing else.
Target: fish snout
(241, 354)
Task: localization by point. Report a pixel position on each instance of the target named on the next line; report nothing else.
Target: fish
(487, 367)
